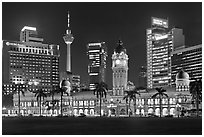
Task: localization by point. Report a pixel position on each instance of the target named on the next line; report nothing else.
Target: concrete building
(29, 59)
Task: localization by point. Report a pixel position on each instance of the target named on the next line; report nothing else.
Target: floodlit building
(161, 40)
(189, 59)
(30, 59)
(120, 70)
(97, 54)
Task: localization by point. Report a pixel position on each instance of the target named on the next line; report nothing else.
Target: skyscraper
(143, 77)
(97, 54)
(160, 43)
(68, 39)
(30, 59)
(120, 70)
(189, 59)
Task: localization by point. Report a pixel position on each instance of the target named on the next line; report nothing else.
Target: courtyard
(100, 126)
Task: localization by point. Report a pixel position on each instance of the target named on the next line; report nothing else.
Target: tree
(39, 94)
(135, 93)
(131, 95)
(101, 91)
(160, 93)
(196, 92)
(127, 97)
(19, 88)
(53, 101)
(61, 91)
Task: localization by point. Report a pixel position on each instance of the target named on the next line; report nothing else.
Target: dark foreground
(101, 126)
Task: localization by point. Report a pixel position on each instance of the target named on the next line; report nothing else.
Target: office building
(143, 77)
(29, 60)
(160, 43)
(97, 54)
(189, 59)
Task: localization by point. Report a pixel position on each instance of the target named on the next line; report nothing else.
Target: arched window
(150, 111)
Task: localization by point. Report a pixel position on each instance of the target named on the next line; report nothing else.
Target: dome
(182, 75)
(65, 83)
(120, 47)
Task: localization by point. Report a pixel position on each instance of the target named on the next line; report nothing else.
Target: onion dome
(65, 83)
(120, 47)
(182, 75)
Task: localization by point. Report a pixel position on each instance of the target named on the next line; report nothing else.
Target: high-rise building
(29, 34)
(160, 43)
(120, 70)
(28, 60)
(97, 54)
(189, 59)
(143, 77)
(68, 39)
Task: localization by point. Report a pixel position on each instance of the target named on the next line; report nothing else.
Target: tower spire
(68, 18)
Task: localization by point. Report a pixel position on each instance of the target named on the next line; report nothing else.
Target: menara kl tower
(68, 39)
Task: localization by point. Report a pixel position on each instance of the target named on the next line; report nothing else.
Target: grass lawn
(101, 126)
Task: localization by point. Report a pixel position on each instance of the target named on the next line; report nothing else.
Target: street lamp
(140, 106)
(178, 108)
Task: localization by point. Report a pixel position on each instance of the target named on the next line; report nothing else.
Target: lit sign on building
(28, 28)
(160, 22)
(161, 37)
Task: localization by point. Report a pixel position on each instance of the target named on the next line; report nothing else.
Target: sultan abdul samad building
(86, 102)
(178, 99)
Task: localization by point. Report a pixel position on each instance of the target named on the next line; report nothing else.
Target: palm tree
(100, 91)
(19, 88)
(160, 93)
(128, 97)
(53, 101)
(135, 93)
(196, 92)
(39, 94)
(61, 91)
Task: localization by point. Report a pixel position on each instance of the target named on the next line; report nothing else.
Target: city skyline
(108, 22)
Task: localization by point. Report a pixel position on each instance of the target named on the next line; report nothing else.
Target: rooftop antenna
(68, 16)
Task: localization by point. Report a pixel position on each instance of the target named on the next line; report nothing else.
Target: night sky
(108, 22)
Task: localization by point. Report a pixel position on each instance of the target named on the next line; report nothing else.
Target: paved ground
(101, 126)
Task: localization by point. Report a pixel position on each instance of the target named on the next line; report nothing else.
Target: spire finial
(120, 42)
(68, 19)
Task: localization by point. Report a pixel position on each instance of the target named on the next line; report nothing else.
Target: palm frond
(155, 95)
(165, 95)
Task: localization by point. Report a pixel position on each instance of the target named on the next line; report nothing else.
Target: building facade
(30, 59)
(97, 54)
(120, 70)
(160, 43)
(143, 77)
(189, 59)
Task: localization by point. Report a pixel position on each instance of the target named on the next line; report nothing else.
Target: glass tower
(97, 54)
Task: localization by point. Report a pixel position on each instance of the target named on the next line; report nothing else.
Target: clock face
(117, 61)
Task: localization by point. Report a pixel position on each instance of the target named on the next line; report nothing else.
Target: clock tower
(120, 69)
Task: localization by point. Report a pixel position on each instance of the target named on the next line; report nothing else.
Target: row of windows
(33, 50)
